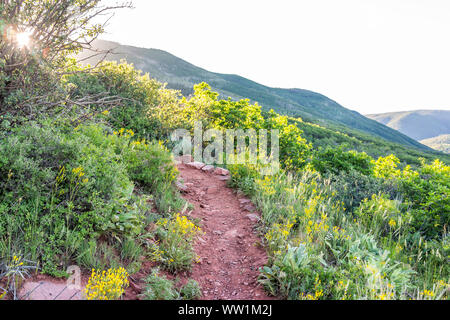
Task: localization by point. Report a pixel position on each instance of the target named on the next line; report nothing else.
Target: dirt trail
(230, 250)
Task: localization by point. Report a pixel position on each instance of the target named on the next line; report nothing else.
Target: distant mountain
(310, 106)
(440, 143)
(419, 125)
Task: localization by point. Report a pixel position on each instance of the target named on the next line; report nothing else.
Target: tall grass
(319, 250)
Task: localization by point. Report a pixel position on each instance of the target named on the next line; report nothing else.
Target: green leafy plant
(160, 288)
(176, 242)
(62, 187)
(191, 290)
(15, 270)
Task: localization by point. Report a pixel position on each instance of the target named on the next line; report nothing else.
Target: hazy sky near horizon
(371, 56)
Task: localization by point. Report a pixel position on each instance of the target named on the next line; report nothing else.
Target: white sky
(369, 55)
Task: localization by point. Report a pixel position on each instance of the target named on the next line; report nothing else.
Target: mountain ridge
(310, 106)
(417, 124)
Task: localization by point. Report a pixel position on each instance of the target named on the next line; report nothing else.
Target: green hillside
(323, 137)
(308, 105)
(419, 125)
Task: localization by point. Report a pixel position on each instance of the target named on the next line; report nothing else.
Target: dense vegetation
(76, 187)
(86, 177)
(335, 136)
(338, 224)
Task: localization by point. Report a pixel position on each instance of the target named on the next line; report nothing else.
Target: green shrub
(160, 288)
(386, 167)
(191, 290)
(290, 273)
(338, 161)
(176, 242)
(139, 93)
(294, 149)
(241, 114)
(130, 249)
(243, 177)
(350, 188)
(426, 191)
(382, 216)
(62, 188)
(97, 255)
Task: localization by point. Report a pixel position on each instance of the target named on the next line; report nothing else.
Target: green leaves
(336, 161)
(386, 167)
(60, 186)
(295, 259)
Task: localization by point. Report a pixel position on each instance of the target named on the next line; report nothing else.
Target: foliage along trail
(229, 251)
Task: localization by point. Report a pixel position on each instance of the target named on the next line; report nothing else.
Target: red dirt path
(230, 250)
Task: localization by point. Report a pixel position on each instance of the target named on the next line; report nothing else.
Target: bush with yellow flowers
(107, 285)
(176, 242)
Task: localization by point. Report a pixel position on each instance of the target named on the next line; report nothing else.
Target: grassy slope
(311, 106)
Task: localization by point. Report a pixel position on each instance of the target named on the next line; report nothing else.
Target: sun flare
(23, 39)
